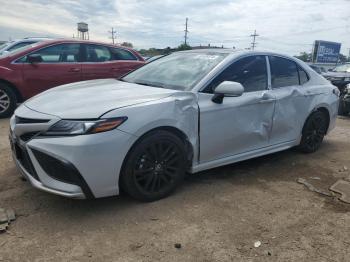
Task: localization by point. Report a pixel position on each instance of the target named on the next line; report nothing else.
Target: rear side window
(121, 54)
(303, 77)
(61, 53)
(284, 72)
(249, 71)
(97, 53)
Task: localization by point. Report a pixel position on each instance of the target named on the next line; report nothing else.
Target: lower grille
(23, 157)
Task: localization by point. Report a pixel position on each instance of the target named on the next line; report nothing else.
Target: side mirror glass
(34, 58)
(229, 89)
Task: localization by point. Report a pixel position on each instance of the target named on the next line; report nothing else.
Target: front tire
(314, 130)
(8, 101)
(154, 167)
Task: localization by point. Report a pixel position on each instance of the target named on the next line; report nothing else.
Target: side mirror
(229, 89)
(34, 58)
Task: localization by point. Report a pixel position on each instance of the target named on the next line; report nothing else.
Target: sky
(288, 26)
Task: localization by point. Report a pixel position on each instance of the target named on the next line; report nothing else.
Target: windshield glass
(179, 71)
(342, 68)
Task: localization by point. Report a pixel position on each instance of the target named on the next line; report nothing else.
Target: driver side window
(250, 71)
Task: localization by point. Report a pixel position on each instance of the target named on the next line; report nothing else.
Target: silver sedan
(185, 112)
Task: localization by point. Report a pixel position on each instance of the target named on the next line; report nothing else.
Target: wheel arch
(175, 131)
(18, 94)
(326, 112)
(322, 109)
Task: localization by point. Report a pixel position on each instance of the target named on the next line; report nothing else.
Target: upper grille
(21, 120)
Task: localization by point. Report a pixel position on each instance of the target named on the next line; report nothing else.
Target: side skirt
(243, 156)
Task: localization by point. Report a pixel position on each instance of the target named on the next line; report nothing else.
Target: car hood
(92, 99)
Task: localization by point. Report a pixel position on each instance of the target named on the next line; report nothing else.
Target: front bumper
(85, 166)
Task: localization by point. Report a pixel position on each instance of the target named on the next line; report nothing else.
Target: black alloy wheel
(313, 132)
(154, 167)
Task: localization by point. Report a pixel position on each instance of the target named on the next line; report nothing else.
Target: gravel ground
(216, 215)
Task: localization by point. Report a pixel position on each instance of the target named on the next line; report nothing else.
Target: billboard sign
(326, 52)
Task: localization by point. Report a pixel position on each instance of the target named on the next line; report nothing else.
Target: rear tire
(314, 130)
(154, 167)
(8, 101)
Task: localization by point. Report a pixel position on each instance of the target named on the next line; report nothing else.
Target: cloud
(286, 26)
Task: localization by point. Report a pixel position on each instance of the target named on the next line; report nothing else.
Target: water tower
(83, 31)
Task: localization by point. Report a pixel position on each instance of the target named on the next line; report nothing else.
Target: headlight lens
(73, 127)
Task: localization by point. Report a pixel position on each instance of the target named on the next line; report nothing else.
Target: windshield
(342, 68)
(179, 71)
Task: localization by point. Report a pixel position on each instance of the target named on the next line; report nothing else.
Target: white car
(186, 112)
(16, 44)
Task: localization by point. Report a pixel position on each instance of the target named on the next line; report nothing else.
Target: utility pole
(254, 43)
(113, 35)
(186, 31)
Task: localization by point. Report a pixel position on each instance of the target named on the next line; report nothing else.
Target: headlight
(73, 127)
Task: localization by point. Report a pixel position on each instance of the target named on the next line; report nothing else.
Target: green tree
(127, 44)
(184, 47)
(342, 58)
(306, 57)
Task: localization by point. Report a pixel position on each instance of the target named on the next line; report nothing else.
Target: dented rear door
(293, 100)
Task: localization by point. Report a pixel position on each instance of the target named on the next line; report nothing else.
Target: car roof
(73, 40)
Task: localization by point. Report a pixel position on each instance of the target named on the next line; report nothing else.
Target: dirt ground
(216, 215)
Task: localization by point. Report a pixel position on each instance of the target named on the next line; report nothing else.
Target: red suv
(31, 70)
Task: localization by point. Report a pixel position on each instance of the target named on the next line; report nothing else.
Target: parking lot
(216, 215)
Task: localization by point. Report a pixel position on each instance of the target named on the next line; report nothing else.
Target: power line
(186, 30)
(254, 43)
(113, 35)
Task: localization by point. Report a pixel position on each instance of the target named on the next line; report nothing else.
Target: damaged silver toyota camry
(185, 112)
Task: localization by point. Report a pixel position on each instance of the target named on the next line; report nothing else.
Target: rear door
(292, 99)
(107, 62)
(60, 65)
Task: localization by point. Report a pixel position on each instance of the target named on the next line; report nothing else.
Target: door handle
(75, 69)
(267, 97)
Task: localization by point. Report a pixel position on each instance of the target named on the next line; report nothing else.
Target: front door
(239, 124)
(60, 65)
